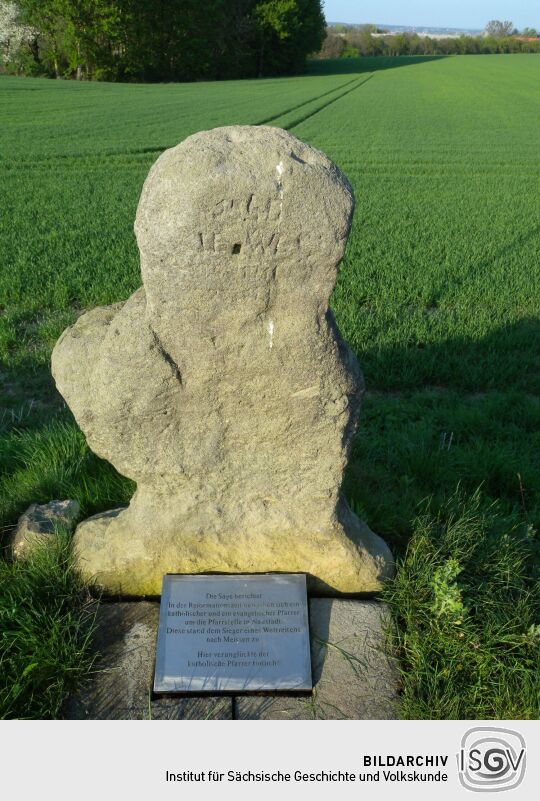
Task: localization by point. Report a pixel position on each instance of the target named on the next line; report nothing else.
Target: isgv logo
(491, 759)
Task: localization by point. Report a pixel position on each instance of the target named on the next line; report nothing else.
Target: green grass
(467, 632)
(46, 622)
(438, 295)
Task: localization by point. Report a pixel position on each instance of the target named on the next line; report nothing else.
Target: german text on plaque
(233, 633)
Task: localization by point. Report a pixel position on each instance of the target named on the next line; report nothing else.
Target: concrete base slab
(120, 688)
(354, 676)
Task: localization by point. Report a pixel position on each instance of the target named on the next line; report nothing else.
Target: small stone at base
(40, 523)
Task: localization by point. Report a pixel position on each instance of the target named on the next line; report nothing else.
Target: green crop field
(438, 295)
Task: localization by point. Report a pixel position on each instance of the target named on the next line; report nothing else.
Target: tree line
(158, 40)
(499, 37)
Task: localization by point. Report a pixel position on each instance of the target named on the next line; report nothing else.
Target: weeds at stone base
(46, 624)
(466, 601)
(357, 665)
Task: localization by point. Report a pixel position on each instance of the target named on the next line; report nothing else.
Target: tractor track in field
(329, 103)
(304, 103)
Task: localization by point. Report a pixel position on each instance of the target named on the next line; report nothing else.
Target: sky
(435, 13)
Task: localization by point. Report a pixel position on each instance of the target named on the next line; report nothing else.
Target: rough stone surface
(40, 522)
(222, 386)
(354, 676)
(120, 688)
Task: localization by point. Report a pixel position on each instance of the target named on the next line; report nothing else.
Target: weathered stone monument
(222, 386)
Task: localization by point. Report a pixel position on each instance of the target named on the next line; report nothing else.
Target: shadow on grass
(346, 66)
(461, 412)
(43, 454)
(506, 359)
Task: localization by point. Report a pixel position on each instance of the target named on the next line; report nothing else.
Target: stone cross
(222, 386)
